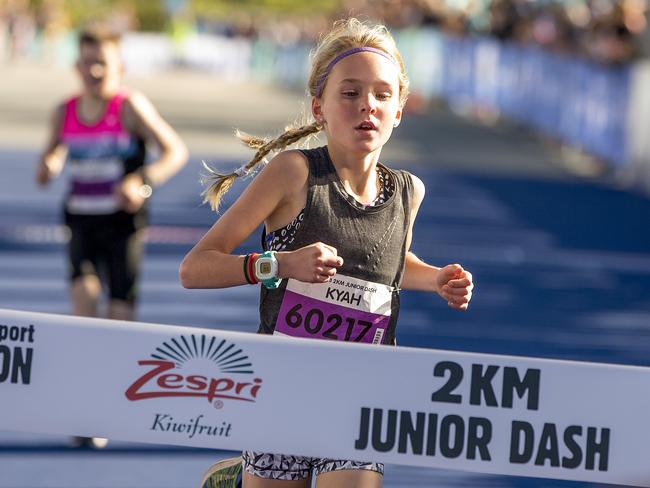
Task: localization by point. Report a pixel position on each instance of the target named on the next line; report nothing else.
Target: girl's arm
(452, 282)
(274, 196)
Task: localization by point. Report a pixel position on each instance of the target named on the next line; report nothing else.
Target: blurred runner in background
(101, 136)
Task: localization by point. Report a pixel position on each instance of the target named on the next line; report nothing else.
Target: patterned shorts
(285, 467)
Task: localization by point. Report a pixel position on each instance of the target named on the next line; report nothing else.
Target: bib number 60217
(316, 323)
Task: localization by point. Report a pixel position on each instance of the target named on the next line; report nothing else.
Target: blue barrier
(575, 100)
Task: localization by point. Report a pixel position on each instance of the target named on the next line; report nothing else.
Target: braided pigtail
(217, 184)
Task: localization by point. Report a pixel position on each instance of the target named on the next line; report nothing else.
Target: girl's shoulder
(288, 167)
(418, 189)
(290, 160)
(418, 184)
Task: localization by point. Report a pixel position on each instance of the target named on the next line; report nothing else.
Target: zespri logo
(197, 366)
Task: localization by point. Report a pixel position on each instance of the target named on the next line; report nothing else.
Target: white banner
(209, 388)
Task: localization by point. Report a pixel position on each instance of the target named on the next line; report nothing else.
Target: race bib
(343, 309)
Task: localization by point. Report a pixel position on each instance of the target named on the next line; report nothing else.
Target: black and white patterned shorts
(285, 467)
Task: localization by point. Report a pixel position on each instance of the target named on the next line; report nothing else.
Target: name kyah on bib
(343, 309)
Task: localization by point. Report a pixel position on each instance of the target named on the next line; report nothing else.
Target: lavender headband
(345, 54)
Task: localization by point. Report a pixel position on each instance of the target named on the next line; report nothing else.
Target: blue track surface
(562, 270)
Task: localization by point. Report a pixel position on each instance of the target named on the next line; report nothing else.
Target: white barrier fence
(208, 388)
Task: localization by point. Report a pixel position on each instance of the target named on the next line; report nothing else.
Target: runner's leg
(251, 481)
(350, 479)
(85, 286)
(332, 473)
(120, 310)
(84, 294)
(123, 257)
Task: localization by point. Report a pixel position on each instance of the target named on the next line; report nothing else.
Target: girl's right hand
(315, 263)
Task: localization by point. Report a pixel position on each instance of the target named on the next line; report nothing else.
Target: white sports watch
(266, 269)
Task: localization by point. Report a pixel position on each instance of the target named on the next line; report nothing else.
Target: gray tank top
(361, 303)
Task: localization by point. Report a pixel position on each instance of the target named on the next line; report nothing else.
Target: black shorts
(108, 246)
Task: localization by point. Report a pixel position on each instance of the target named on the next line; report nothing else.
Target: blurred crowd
(603, 30)
(607, 31)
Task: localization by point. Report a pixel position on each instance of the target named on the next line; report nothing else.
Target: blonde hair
(346, 34)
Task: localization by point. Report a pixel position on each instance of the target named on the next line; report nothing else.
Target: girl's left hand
(455, 285)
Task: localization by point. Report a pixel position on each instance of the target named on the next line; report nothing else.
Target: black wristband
(248, 278)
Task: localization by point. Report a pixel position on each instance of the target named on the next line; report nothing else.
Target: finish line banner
(208, 388)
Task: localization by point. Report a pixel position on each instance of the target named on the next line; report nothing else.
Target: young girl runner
(333, 215)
